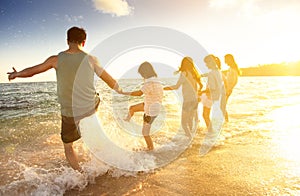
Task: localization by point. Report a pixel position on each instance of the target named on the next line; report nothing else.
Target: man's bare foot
(127, 118)
(142, 149)
(150, 148)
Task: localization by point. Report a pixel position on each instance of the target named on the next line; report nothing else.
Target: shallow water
(263, 113)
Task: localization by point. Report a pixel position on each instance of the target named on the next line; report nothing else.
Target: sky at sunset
(254, 31)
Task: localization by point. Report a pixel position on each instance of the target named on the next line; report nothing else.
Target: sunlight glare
(135, 56)
(287, 135)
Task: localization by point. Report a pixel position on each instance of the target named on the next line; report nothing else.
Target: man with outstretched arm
(75, 87)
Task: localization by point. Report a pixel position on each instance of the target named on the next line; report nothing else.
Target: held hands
(12, 75)
(123, 93)
(119, 90)
(167, 88)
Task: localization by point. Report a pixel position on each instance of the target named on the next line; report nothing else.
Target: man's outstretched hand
(12, 75)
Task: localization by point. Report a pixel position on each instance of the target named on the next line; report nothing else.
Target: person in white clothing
(215, 83)
(153, 91)
(207, 103)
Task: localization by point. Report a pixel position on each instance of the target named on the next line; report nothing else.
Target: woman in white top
(190, 81)
(215, 82)
(153, 91)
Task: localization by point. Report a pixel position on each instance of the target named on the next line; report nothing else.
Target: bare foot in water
(127, 118)
(142, 149)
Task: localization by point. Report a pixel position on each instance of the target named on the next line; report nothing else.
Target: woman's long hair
(231, 63)
(187, 65)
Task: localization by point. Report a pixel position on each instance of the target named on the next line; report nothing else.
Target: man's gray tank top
(75, 84)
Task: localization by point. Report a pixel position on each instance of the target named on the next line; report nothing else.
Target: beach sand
(248, 164)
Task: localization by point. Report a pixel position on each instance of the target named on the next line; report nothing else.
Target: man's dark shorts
(149, 119)
(70, 131)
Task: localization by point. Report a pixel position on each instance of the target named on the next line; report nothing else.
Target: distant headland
(282, 69)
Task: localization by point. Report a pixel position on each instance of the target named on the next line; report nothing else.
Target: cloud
(114, 7)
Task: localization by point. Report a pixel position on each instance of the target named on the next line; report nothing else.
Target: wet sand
(247, 164)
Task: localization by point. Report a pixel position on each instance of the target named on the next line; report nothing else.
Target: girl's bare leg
(206, 113)
(146, 131)
(134, 108)
(185, 123)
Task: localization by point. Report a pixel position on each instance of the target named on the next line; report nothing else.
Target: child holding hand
(207, 103)
(153, 95)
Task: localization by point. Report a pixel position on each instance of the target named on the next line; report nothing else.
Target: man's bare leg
(71, 156)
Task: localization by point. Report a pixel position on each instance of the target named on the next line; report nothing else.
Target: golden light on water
(287, 132)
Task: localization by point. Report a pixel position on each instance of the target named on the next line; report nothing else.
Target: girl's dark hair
(76, 35)
(146, 70)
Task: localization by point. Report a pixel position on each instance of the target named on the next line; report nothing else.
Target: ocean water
(32, 158)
